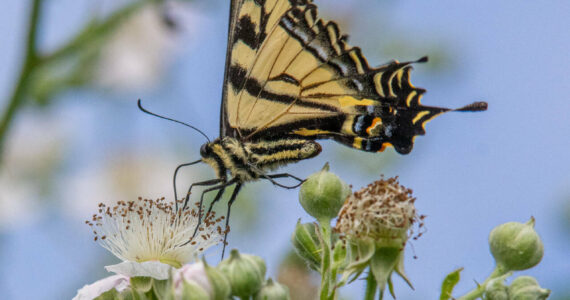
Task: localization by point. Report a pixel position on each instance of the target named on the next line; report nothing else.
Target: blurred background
(72, 136)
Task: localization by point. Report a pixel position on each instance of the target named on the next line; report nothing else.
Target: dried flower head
(382, 210)
(151, 230)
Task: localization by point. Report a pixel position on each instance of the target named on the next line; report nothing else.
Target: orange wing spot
(375, 123)
(384, 145)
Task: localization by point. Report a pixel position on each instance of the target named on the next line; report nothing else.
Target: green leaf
(449, 283)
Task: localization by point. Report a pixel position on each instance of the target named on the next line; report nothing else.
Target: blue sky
(470, 172)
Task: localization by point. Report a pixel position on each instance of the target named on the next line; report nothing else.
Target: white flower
(191, 273)
(151, 230)
(152, 239)
(94, 290)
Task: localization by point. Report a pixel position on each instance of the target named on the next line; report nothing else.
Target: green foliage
(449, 282)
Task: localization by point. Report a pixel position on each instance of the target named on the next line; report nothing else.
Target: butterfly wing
(290, 73)
(251, 21)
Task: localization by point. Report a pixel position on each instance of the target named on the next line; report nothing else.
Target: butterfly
(290, 79)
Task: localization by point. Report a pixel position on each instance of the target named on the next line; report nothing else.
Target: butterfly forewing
(291, 74)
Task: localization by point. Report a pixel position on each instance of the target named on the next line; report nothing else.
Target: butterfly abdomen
(250, 160)
(269, 155)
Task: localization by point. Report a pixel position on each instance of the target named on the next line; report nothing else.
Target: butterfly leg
(283, 175)
(220, 189)
(232, 199)
(218, 196)
(207, 182)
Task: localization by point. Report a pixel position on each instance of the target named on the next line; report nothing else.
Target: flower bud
(221, 288)
(307, 244)
(323, 194)
(516, 246)
(192, 291)
(272, 291)
(527, 288)
(245, 272)
(496, 289)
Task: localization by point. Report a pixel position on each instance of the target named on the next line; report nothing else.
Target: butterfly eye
(205, 151)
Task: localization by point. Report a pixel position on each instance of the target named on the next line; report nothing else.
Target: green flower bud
(527, 288)
(221, 288)
(496, 289)
(516, 246)
(245, 272)
(323, 194)
(272, 291)
(307, 244)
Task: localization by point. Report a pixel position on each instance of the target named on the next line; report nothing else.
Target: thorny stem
(326, 279)
(477, 292)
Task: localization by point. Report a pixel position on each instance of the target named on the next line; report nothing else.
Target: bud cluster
(240, 275)
(522, 288)
(372, 227)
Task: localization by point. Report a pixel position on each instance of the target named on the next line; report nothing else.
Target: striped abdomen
(251, 160)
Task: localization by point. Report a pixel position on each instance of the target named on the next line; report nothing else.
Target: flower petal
(152, 269)
(195, 273)
(94, 290)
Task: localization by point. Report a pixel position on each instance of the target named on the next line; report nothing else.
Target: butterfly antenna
(169, 119)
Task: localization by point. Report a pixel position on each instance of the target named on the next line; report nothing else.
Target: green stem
(30, 61)
(371, 287)
(478, 292)
(325, 260)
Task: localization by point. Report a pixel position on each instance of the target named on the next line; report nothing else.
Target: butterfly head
(206, 150)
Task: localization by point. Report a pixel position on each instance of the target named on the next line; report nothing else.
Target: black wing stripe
(253, 87)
